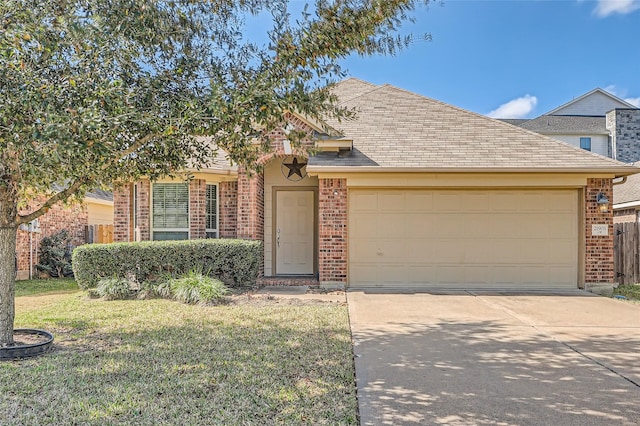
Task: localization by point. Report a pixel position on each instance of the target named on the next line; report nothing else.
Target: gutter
(627, 204)
(617, 171)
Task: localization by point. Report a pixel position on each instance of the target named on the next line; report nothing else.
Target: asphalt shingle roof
(395, 128)
(628, 191)
(566, 124)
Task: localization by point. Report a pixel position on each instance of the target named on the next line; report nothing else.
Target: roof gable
(594, 103)
(397, 129)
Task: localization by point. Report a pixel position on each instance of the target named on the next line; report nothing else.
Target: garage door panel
(561, 252)
(421, 226)
(477, 202)
(485, 238)
(445, 201)
(448, 225)
(363, 201)
(421, 274)
(391, 201)
(419, 201)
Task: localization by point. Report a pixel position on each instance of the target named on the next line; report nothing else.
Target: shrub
(55, 255)
(234, 262)
(113, 288)
(197, 288)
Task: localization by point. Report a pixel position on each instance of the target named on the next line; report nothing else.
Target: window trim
(151, 214)
(216, 231)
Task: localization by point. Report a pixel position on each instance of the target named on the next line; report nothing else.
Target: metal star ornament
(295, 169)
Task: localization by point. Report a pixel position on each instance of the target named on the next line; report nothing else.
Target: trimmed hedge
(234, 262)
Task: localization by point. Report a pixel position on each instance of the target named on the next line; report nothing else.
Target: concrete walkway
(496, 359)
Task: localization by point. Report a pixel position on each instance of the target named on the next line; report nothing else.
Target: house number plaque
(599, 230)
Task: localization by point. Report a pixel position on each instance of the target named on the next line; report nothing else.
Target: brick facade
(122, 210)
(197, 209)
(228, 210)
(332, 230)
(143, 215)
(250, 222)
(72, 217)
(598, 249)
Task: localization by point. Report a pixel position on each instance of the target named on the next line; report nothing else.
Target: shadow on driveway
(463, 360)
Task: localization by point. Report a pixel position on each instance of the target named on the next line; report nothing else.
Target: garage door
(463, 238)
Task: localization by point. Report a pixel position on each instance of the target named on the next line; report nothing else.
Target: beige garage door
(463, 238)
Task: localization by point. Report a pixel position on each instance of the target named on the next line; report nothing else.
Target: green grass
(630, 291)
(148, 362)
(35, 287)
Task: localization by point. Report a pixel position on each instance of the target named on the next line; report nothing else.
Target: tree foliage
(97, 91)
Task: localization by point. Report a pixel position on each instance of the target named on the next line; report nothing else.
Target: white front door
(294, 242)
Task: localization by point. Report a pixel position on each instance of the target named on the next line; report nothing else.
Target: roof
(567, 124)
(96, 194)
(100, 194)
(628, 192)
(397, 130)
(514, 121)
(614, 102)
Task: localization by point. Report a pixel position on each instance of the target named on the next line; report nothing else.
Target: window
(585, 143)
(170, 211)
(211, 214)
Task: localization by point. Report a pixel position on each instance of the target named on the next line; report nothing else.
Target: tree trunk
(7, 284)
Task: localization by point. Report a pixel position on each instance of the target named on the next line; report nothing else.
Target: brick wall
(250, 222)
(332, 231)
(197, 209)
(143, 216)
(72, 217)
(122, 213)
(625, 215)
(228, 209)
(598, 249)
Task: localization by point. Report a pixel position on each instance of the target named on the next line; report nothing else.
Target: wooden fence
(626, 252)
(99, 234)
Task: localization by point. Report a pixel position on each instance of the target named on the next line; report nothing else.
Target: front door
(294, 231)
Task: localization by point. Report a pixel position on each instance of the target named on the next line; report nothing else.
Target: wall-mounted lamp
(335, 192)
(603, 202)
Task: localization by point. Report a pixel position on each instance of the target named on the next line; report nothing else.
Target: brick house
(96, 209)
(412, 193)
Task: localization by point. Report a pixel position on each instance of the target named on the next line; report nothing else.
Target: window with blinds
(170, 211)
(212, 211)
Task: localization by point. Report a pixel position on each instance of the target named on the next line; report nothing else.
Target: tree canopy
(96, 91)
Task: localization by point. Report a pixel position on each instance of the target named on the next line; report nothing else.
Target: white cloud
(633, 101)
(622, 94)
(610, 7)
(516, 108)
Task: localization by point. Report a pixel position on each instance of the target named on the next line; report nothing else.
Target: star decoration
(295, 168)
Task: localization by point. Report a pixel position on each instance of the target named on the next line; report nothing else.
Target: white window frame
(216, 230)
(153, 228)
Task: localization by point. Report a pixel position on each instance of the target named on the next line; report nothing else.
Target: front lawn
(162, 362)
(37, 287)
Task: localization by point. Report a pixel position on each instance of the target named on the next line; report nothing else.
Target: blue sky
(515, 59)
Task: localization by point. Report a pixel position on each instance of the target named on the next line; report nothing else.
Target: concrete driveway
(496, 359)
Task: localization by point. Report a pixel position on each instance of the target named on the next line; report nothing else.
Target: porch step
(303, 280)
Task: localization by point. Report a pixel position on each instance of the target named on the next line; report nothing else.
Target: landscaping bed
(254, 360)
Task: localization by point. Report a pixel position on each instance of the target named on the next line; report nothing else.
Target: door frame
(274, 197)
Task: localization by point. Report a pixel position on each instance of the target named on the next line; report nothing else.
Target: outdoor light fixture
(603, 202)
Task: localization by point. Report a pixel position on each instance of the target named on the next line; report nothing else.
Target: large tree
(95, 91)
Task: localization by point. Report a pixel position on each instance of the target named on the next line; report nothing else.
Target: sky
(515, 58)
